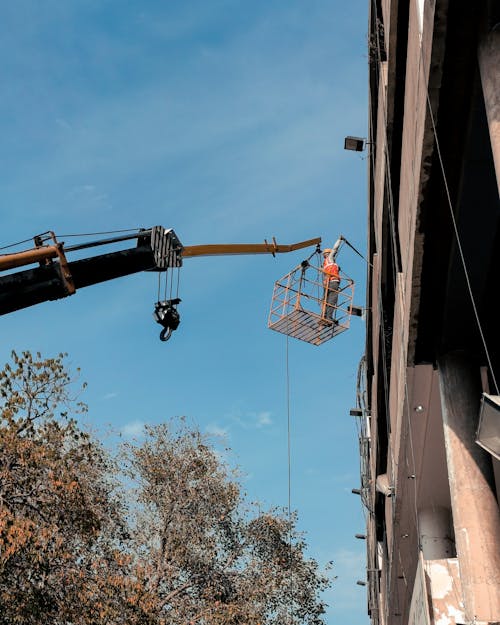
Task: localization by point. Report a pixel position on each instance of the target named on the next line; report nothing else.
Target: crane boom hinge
(66, 276)
(56, 250)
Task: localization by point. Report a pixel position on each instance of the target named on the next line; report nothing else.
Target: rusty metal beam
(28, 257)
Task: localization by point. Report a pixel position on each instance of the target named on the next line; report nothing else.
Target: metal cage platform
(298, 307)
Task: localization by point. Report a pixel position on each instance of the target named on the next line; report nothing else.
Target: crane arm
(55, 277)
(245, 248)
(156, 249)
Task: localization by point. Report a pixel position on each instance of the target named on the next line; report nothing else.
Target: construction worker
(331, 283)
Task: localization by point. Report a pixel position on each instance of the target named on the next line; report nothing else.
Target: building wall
(425, 509)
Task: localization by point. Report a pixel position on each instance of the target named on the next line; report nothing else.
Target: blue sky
(224, 120)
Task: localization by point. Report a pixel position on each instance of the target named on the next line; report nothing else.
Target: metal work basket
(299, 305)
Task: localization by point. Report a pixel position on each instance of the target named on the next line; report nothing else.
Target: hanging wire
(361, 428)
(459, 243)
(6, 247)
(171, 288)
(67, 236)
(166, 284)
(93, 234)
(289, 462)
(178, 281)
(357, 252)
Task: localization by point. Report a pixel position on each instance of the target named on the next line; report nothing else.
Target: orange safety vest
(331, 270)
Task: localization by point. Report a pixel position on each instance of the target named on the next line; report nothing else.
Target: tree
(61, 520)
(78, 545)
(210, 559)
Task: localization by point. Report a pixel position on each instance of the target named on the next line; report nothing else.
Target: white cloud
(252, 420)
(348, 566)
(133, 428)
(350, 561)
(90, 196)
(216, 430)
(262, 419)
(342, 478)
(111, 395)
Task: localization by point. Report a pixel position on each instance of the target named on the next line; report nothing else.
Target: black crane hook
(166, 314)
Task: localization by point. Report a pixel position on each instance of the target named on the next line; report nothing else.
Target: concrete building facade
(431, 492)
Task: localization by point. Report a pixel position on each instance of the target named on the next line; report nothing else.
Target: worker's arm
(335, 249)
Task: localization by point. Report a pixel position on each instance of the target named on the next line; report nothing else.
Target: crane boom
(156, 249)
(245, 248)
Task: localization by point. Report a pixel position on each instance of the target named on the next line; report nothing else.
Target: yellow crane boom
(226, 249)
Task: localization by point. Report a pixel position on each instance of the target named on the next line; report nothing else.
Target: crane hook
(166, 314)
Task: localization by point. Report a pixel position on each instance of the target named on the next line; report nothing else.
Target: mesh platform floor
(306, 326)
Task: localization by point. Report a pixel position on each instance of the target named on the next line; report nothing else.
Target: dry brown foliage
(161, 536)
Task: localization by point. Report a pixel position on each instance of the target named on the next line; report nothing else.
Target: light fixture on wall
(488, 430)
(357, 311)
(355, 144)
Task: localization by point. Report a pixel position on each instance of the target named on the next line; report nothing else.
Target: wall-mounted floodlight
(355, 144)
(488, 431)
(355, 412)
(356, 491)
(360, 536)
